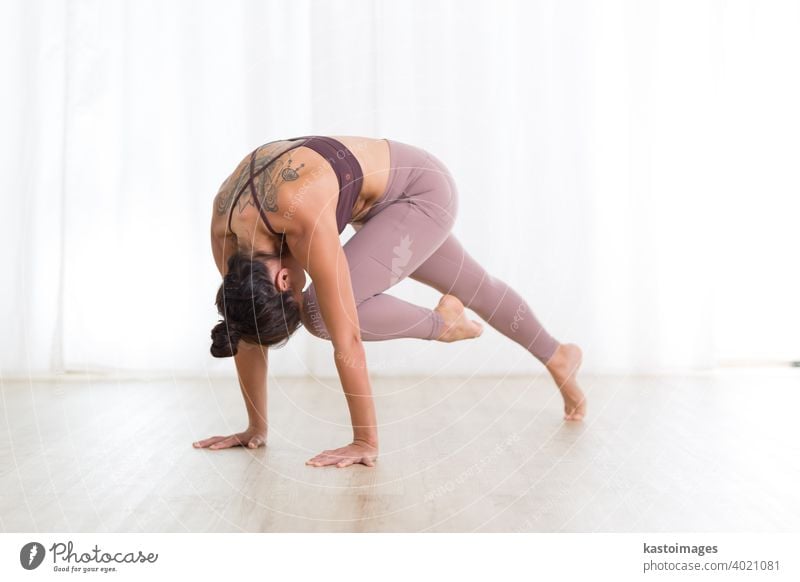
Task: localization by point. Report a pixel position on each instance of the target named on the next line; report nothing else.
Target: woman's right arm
(251, 367)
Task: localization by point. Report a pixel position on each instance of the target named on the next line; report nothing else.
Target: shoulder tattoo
(267, 182)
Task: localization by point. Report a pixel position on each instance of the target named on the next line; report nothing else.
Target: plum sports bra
(345, 166)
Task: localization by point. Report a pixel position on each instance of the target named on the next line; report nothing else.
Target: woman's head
(256, 305)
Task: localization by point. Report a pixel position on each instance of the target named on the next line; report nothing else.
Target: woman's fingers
(343, 457)
(340, 461)
(320, 457)
(323, 460)
(314, 459)
(320, 461)
(206, 442)
(231, 441)
(246, 438)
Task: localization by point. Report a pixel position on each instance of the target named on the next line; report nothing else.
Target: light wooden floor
(716, 452)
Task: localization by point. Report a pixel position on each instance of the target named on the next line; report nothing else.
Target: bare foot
(563, 366)
(457, 326)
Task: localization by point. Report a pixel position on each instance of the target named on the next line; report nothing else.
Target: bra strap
(251, 182)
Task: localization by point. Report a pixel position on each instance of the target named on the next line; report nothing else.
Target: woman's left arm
(318, 249)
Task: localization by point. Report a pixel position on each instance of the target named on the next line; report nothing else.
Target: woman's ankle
(555, 357)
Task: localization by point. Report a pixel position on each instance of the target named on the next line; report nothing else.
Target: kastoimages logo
(31, 555)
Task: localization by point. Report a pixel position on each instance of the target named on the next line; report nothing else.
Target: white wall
(630, 167)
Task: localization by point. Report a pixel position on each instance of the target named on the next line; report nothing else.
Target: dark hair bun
(225, 339)
(252, 308)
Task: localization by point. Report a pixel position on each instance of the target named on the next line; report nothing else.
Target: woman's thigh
(392, 243)
(391, 246)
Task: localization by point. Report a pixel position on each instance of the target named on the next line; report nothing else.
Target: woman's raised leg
(384, 251)
(453, 271)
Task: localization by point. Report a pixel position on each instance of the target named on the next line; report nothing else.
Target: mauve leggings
(407, 234)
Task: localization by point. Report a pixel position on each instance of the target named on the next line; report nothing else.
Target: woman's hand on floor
(251, 438)
(355, 452)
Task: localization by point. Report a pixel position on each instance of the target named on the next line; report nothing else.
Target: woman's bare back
(280, 187)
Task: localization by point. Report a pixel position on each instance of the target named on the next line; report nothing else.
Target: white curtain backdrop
(631, 167)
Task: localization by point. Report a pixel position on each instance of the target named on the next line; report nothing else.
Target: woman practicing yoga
(279, 215)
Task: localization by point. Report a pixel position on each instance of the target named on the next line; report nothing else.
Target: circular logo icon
(31, 555)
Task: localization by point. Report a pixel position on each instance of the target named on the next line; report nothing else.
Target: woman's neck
(261, 246)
